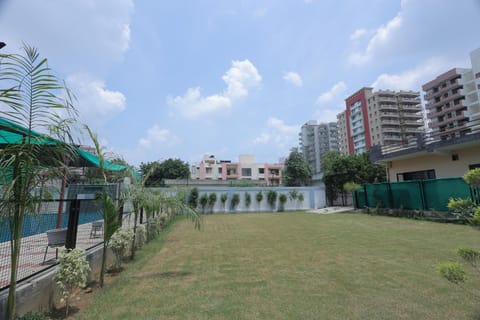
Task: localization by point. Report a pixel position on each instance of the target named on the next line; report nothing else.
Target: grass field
(293, 266)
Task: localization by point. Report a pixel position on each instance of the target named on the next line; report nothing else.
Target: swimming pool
(40, 223)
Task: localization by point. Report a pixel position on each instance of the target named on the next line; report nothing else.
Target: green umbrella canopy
(13, 133)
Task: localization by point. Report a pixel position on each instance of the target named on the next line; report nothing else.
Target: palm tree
(37, 100)
(108, 206)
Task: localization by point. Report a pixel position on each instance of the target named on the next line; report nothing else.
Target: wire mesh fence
(74, 222)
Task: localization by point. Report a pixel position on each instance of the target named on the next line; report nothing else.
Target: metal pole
(74, 214)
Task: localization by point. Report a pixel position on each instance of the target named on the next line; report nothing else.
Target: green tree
(168, 169)
(32, 97)
(248, 200)
(297, 171)
(340, 169)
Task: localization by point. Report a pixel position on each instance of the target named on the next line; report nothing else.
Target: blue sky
(162, 79)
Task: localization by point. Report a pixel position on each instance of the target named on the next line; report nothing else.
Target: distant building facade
(316, 139)
(452, 101)
(211, 168)
(382, 117)
(451, 147)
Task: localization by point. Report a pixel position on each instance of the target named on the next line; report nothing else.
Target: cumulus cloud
(241, 77)
(414, 78)
(382, 37)
(418, 30)
(157, 136)
(336, 92)
(95, 102)
(293, 78)
(278, 134)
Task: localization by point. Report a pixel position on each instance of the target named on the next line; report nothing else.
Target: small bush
(235, 201)
(212, 199)
(203, 202)
(223, 199)
(120, 244)
(71, 273)
(452, 271)
(272, 198)
(283, 199)
(141, 236)
(193, 198)
(248, 200)
(259, 197)
(34, 315)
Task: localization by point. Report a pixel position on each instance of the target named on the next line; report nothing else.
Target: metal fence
(74, 222)
(430, 195)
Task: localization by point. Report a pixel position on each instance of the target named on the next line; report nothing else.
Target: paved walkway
(330, 210)
(33, 250)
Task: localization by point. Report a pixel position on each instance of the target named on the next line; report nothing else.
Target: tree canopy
(297, 171)
(168, 169)
(340, 169)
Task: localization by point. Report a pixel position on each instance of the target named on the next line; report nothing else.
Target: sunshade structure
(12, 133)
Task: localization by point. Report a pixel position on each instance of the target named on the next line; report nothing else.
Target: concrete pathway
(330, 210)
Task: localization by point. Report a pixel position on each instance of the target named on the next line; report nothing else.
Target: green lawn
(293, 266)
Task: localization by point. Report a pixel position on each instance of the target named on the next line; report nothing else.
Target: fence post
(421, 186)
(120, 215)
(390, 196)
(365, 194)
(73, 216)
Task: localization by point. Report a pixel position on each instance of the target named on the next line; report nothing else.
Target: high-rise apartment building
(316, 139)
(453, 101)
(382, 117)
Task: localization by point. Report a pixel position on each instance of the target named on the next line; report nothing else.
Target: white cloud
(279, 135)
(95, 102)
(382, 37)
(239, 79)
(293, 78)
(95, 32)
(357, 34)
(335, 93)
(414, 78)
(417, 32)
(157, 136)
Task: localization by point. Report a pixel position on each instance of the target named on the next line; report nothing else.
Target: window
(455, 157)
(416, 175)
(246, 172)
(208, 170)
(219, 170)
(261, 170)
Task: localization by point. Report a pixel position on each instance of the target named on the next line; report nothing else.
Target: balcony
(442, 101)
(388, 107)
(441, 91)
(446, 121)
(389, 114)
(455, 107)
